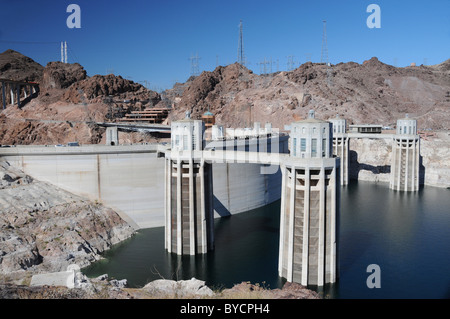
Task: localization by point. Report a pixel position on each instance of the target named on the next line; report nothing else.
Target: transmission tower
(195, 70)
(324, 56)
(263, 66)
(290, 63)
(241, 56)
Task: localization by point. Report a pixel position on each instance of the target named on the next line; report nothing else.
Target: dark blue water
(406, 234)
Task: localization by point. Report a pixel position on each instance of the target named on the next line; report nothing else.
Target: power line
(324, 57)
(27, 42)
(195, 70)
(290, 62)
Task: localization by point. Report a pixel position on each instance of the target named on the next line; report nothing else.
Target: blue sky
(153, 40)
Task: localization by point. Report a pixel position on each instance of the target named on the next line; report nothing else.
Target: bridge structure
(15, 88)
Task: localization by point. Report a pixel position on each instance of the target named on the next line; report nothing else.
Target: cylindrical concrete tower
(309, 206)
(341, 146)
(405, 156)
(311, 138)
(189, 192)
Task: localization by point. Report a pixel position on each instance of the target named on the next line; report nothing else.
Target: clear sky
(147, 40)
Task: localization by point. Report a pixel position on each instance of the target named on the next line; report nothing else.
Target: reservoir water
(406, 234)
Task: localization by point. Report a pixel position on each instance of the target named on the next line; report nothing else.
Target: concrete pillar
(405, 163)
(167, 206)
(308, 227)
(12, 93)
(3, 95)
(405, 156)
(18, 87)
(341, 146)
(112, 135)
(341, 150)
(310, 205)
(189, 206)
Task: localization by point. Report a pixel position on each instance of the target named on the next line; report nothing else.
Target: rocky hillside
(371, 92)
(67, 104)
(44, 229)
(16, 66)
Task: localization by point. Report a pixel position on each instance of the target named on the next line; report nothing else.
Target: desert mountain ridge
(373, 92)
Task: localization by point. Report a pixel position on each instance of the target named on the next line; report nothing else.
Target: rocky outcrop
(95, 88)
(103, 288)
(29, 132)
(290, 290)
(45, 229)
(370, 159)
(372, 92)
(18, 67)
(59, 75)
(193, 288)
(435, 153)
(67, 104)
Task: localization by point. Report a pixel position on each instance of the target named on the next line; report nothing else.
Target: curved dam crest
(130, 179)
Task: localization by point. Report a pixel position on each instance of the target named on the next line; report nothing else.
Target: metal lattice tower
(290, 63)
(241, 56)
(308, 57)
(324, 56)
(195, 70)
(265, 66)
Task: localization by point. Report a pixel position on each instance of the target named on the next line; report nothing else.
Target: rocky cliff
(44, 229)
(370, 160)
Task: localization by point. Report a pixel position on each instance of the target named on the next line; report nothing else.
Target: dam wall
(130, 179)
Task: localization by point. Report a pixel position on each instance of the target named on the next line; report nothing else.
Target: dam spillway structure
(341, 146)
(310, 203)
(405, 156)
(189, 191)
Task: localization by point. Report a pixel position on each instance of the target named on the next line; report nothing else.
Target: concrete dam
(130, 178)
(185, 186)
